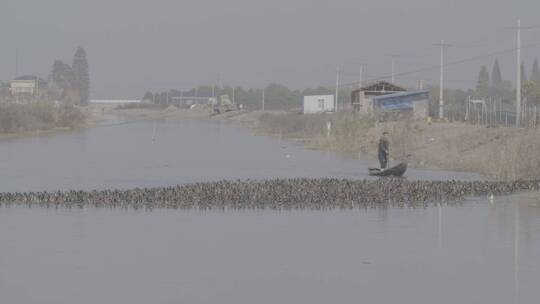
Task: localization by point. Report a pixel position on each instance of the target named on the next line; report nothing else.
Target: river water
(123, 155)
(478, 252)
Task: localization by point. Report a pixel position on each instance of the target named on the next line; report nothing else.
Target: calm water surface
(125, 155)
(475, 253)
(479, 252)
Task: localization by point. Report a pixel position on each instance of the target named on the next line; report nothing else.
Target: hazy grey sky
(137, 45)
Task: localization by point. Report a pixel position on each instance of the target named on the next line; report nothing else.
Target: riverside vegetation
(38, 116)
(497, 153)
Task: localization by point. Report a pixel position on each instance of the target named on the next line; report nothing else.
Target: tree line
(490, 85)
(495, 86)
(71, 83)
(276, 96)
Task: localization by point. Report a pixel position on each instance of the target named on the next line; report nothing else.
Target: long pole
(393, 69)
(337, 91)
(442, 45)
(361, 76)
(441, 93)
(233, 95)
(16, 63)
(518, 76)
(181, 100)
(263, 99)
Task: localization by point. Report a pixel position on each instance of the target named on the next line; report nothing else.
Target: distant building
(318, 104)
(412, 104)
(26, 85)
(388, 101)
(361, 98)
(19, 87)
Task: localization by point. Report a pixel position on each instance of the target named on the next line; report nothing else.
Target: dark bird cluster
(278, 194)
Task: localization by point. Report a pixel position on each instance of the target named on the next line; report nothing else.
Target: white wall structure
(23, 87)
(318, 104)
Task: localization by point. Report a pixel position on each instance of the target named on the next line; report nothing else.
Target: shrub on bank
(17, 118)
(345, 127)
(140, 105)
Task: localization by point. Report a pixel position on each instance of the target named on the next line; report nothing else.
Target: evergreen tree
(82, 76)
(482, 86)
(148, 96)
(535, 74)
(496, 77)
(62, 75)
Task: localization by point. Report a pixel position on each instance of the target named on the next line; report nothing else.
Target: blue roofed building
(410, 104)
(392, 102)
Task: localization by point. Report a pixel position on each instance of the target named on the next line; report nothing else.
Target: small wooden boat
(397, 170)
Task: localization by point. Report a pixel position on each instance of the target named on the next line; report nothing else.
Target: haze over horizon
(136, 46)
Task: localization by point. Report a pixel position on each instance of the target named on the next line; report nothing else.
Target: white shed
(318, 104)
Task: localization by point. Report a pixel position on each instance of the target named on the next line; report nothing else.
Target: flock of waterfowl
(300, 193)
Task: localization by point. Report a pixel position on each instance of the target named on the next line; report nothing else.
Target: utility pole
(233, 95)
(181, 97)
(518, 76)
(393, 75)
(360, 78)
(518, 73)
(263, 99)
(393, 69)
(442, 45)
(337, 91)
(16, 63)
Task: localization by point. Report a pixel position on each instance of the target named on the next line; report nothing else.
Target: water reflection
(516, 249)
(91, 255)
(440, 219)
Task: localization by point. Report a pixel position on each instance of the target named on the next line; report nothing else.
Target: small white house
(318, 104)
(18, 87)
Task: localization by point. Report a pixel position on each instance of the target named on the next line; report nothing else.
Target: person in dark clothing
(384, 146)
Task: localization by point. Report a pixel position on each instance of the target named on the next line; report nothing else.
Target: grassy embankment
(498, 153)
(40, 116)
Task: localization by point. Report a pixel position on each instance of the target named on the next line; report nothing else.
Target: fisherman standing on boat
(383, 150)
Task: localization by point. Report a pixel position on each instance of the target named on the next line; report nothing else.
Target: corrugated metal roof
(399, 95)
(399, 101)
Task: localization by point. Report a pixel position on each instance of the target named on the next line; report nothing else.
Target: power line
(450, 64)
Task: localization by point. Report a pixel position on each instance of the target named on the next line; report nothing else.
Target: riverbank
(497, 153)
(18, 120)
